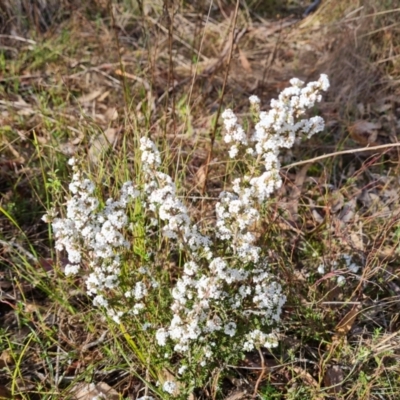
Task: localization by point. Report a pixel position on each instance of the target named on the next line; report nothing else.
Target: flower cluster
(209, 284)
(345, 260)
(161, 199)
(234, 132)
(279, 127)
(95, 234)
(276, 129)
(224, 291)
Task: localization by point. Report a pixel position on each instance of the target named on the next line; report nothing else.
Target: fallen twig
(340, 153)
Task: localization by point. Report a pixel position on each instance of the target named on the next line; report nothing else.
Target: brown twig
(269, 62)
(340, 153)
(171, 78)
(18, 38)
(198, 52)
(214, 130)
(262, 373)
(178, 38)
(121, 64)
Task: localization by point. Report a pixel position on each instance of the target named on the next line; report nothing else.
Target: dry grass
(73, 74)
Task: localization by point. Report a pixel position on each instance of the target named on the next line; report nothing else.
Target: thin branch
(214, 131)
(340, 153)
(18, 38)
(262, 373)
(19, 248)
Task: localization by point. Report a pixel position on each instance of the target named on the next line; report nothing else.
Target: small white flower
(230, 329)
(169, 387)
(140, 290)
(350, 265)
(71, 269)
(142, 270)
(321, 269)
(100, 301)
(190, 268)
(324, 81)
(137, 308)
(146, 326)
(341, 280)
(161, 337)
(50, 216)
(182, 369)
(254, 99)
(353, 268)
(233, 152)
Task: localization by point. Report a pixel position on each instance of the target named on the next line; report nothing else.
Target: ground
(84, 79)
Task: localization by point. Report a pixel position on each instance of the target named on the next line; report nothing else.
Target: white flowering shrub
(221, 299)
